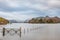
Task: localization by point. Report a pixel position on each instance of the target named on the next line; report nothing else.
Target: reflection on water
(25, 31)
(21, 30)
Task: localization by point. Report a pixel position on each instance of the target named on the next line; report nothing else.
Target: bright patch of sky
(26, 9)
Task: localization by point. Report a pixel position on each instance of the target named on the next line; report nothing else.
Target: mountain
(26, 21)
(16, 21)
(12, 21)
(46, 19)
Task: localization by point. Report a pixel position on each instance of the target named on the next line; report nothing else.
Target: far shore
(40, 23)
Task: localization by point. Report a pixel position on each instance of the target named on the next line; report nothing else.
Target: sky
(27, 9)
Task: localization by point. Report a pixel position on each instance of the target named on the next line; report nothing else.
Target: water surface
(33, 32)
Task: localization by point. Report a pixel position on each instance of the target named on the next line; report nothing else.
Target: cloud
(10, 3)
(54, 3)
(23, 3)
(17, 15)
(35, 4)
(25, 9)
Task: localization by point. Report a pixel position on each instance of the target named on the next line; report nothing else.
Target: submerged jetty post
(24, 30)
(27, 30)
(3, 31)
(20, 32)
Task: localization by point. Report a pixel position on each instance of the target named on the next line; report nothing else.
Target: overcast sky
(26, 9)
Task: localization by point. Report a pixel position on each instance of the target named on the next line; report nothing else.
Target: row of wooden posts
(20, 30)
(4, 29)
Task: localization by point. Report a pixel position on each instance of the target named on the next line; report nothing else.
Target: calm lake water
(32, 31)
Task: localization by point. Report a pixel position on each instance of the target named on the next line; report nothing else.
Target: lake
(31, 31)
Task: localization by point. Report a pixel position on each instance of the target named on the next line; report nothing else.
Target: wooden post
(3, 31)
(20, 32)
(27, 30)
(15, 31)
(24, 30)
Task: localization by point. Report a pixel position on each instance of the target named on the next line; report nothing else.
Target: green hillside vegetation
(3, 21)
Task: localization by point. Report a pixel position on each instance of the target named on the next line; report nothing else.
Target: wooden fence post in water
(24, 30)
(27, 30)
(3, 31)
(20, 31)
